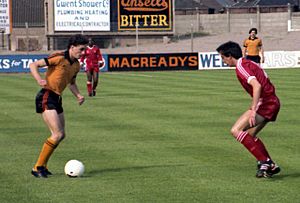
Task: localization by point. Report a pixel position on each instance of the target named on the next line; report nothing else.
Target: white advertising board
(82, 15)
(5, 22)
(273, 59)
(282, 59)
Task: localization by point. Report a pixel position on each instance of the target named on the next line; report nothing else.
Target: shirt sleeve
(53, 61)
(260, 43)
(81, 60)
(99, 55)
(245, 72)
(245, 43)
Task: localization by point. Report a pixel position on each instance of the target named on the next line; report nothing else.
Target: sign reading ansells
(149, 15)
(82, 15)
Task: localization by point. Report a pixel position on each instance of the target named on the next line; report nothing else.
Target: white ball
(74, 168)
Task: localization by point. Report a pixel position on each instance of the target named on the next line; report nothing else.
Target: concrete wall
(184, 24)
(233, 23)
(295, 21)
(33, 39)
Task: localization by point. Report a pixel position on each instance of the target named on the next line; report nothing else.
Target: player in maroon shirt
(264, 107)
(92, 60)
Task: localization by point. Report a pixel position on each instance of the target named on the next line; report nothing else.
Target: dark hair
(77, 39)
(253, 29)
(230, 49)
(91, 41)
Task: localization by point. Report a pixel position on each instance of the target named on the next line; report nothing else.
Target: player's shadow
(116, 170)
(283, 176)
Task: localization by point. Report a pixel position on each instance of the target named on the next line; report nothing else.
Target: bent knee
(58, 136)
(234, 132)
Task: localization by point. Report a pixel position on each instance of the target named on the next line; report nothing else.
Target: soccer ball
(74, 168)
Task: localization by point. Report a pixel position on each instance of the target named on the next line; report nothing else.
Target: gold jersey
(253, 46)
(61, 70)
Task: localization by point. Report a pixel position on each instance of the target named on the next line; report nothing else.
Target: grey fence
(30, 11)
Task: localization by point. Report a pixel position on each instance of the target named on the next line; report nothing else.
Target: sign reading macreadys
(149, 15)
(153, 62)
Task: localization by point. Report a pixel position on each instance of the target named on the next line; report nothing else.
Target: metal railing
(30, 11)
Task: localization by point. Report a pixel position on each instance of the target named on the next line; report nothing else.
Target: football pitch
(149, 137)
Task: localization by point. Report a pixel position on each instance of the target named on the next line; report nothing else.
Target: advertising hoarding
(153, 62)
(148, 15)
(82, 15)
(5, 16)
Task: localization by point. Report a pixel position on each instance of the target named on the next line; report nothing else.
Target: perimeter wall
(184, 24)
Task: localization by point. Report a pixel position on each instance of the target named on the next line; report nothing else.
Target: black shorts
(256, 59)
(47, 99)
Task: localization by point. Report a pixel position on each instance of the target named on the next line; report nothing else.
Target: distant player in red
(264, 107)
(92, 60)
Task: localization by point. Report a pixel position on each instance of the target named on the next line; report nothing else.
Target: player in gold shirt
(253, 47)
(62, 69)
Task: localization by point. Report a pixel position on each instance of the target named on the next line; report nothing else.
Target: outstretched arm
(244, 51)
(261, 54)
(255, 99)
(34, 66)
(74, 89)
(101, 62)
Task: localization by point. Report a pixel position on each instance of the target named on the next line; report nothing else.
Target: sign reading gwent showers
(5, 16)
(82, 15)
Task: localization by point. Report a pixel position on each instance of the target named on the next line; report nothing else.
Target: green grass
(149, 137)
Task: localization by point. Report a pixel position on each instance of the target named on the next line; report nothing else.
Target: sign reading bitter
(148, 15)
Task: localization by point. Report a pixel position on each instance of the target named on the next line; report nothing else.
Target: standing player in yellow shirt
(253, 47)
(62, 69)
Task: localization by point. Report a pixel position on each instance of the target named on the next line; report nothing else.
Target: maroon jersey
(269, 104)
(247, 70)
(92, 58)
